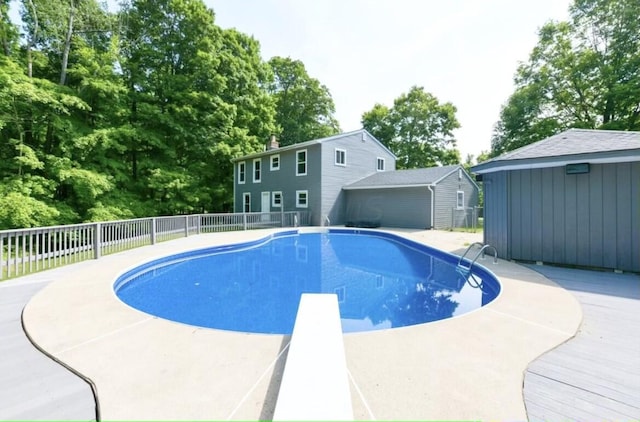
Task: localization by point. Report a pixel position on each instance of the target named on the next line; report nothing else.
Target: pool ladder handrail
(483, 247)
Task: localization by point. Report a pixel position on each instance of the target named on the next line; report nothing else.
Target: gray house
(436, 197)
(573, 199)
(308, 176)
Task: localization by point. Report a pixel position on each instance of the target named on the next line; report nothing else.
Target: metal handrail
(483, 247)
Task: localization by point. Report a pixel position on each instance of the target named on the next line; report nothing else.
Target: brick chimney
(273, 143)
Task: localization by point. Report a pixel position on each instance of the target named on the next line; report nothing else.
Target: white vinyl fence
(23, 251)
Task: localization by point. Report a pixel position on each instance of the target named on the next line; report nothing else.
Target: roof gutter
(547, 162)
(433, 202)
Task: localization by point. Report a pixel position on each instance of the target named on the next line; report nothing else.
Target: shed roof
(403, 178)
(300, 145)
(568, 147)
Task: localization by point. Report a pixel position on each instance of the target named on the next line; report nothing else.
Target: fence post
(244, 221)
(153, 230)
(199, 226)
(97, 240)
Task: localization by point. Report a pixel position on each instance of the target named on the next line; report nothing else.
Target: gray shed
(436, 197)
(571, 199)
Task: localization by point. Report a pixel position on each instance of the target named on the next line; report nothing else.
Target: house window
(459, 174)
(246, 200)
(460, 200)
(256, 170)
(302, 198)
(241, 172)
(301, 163)
(276, 199)
(341, 157)
(380, 164)
(275, 162)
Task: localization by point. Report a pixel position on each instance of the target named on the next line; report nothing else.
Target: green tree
(304, 107)
(197, 98)
(418, 129)
(8, 31)
(582, 73)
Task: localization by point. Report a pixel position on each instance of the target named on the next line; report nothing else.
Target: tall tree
(8, 31)
(304, 107)
(418, 129)
(582, 73)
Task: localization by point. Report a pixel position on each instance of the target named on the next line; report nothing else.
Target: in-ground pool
(381, 281)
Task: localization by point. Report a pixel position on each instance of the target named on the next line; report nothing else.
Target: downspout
(433, 202)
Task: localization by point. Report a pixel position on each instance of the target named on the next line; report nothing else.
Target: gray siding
(590, 220)
(496, 214)
(446, 198)
(283, 180)
(397, 207)
(361, 161)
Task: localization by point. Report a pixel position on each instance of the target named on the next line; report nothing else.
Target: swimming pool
(381, 280)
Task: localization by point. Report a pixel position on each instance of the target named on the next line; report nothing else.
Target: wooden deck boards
(33, 386)
(596, 375)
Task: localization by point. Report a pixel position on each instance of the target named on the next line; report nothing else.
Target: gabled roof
(403, 178)
(301, 145)
(569, 147)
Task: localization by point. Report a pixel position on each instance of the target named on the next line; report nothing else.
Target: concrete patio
(468, 367)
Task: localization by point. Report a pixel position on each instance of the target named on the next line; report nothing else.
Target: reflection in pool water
(381, 280)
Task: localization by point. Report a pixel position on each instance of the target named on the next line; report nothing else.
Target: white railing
(24, 251)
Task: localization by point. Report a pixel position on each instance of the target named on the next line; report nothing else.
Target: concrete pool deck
(144, 368)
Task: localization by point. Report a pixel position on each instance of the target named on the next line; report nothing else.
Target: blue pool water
(381, 280)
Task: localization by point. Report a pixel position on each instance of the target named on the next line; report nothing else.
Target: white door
(265, 205)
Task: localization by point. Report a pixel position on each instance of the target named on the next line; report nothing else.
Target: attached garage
(436, 197)
(571, 199)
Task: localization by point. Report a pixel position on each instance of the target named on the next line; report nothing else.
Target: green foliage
(418, 129)
(304, 106)
(583, 73)
(111, 116)
(18, 210)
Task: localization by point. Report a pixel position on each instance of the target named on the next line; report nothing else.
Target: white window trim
(458, 206)
(273, 199)
(298, 204)
(384, 164)
(306, 160)
(335, 157)
(242, 164)
(257, 160)
(246, 195)
(272, 167)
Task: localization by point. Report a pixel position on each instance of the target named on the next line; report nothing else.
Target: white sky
(371, 51)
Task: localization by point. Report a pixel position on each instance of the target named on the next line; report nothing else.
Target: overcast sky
(371, 51)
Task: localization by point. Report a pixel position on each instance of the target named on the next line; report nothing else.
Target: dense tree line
(583, 73)
(137, 113)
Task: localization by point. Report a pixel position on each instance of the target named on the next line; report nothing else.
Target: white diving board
(315, 385)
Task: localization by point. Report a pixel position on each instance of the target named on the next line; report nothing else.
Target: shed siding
(446, 198)
(582, 219)
(398, 207)
(496, 212)
(361, 161)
